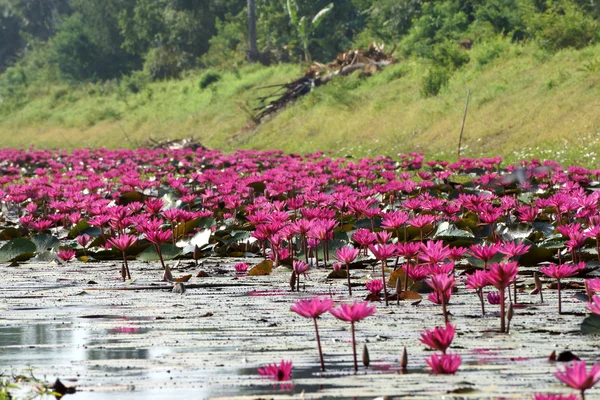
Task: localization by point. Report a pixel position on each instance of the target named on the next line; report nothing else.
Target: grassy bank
(524, 102)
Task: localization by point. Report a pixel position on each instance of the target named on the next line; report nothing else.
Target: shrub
(74, 52)
(164, 63)
(434, 81)
(208, 78)
(135, 82)
(486, 52)
(562, 25)
(450, 55)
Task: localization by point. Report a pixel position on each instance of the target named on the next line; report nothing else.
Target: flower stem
(354, 347)
(319, 345)
(443, 297)
(480, 293)
(126, 266)
(383, 277)
(348, 276)
(559, 298)
(502, 311)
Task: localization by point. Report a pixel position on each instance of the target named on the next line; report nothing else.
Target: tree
(303, 27)
(252, 48)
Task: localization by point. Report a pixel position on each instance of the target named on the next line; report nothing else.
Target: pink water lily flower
(550, 396)
(123, 242)
(66, 255)
(353, 313)
(594, 305)
(577, 376)
(313, 308)
(374, 286)
(438, 338)
(281, 372)
(501, 275)
(559, 272)
(347, 255)
(444, 364)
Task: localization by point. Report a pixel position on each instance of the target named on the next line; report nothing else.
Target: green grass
(524, 103)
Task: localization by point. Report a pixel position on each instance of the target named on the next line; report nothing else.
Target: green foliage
(440, 21)
(164, 63)
(389, 20)
(561, 25)
(101, 114)
(304, 28)
(135, 82)
(434, 81)
(503, 16)
(74, 52)
(449, 55)
(490, 50)
(208, 78)
(229, 45)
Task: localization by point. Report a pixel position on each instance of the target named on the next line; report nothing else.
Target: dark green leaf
(17, 249)
(44, 242)
(168, 250)
(591, 325)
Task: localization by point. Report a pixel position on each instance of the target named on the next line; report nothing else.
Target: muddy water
(66, 322)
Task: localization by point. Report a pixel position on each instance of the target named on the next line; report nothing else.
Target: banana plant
(304, 28)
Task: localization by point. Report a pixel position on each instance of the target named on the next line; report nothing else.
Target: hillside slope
(524, 102)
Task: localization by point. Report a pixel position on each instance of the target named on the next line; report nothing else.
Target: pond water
(208, 343)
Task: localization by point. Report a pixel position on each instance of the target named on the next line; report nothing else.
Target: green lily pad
(17, 249)
(168, 251)
(44, 242)
(591, 325)
(448, 231)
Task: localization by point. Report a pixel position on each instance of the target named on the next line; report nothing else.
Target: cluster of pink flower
(424, 218)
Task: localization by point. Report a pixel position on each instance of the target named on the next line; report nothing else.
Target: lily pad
(591, 325)
(17, 249)
(448, 231)
(44, 242)
(263, 268)
(168, 251)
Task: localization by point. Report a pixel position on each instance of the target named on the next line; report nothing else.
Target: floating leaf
(201, 238)
(591, 325)
(513, 232)
(536, 255)
(81, 228)
(17, 249)
(398, 274)
(44, 242)
(168, 251)
(45, 256)
(341, 274)
(410, 295)
(184, 278)
(262, 268)
(259, 187)
(183, 228)
(130, 197)
(228, 237)
(9, 233)
(448, 231)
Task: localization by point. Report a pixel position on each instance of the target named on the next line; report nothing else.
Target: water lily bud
(365, 356)
(293, 281)
(403, 358)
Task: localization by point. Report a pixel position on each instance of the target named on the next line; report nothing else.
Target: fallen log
(369, 61)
